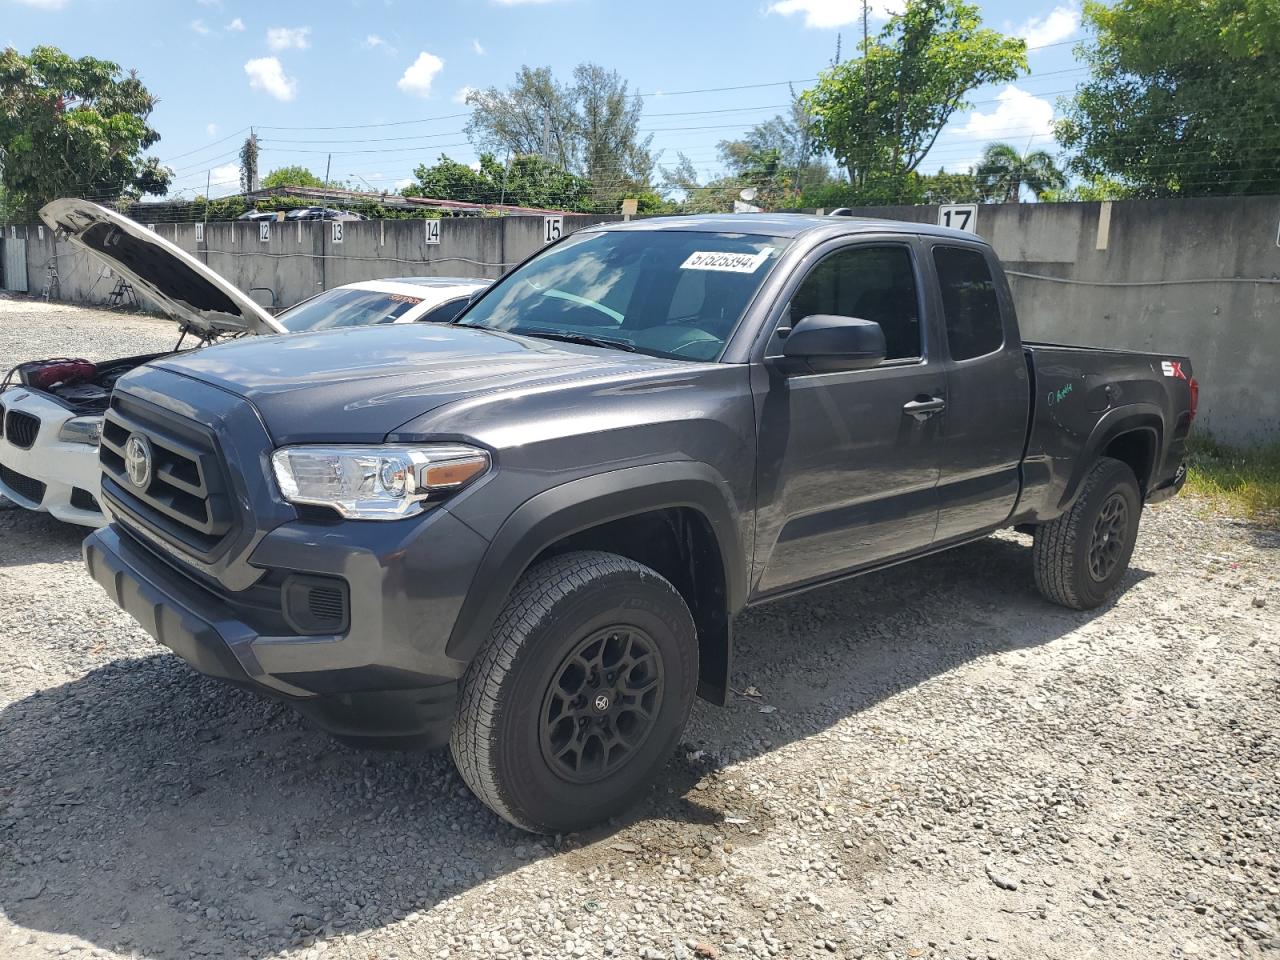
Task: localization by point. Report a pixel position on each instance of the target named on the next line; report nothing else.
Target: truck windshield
(667, 293)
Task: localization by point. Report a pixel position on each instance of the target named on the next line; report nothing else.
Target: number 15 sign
(959, 216)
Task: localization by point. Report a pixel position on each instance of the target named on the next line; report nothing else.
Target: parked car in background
(51, 410)
(322, 213)
(394, 300)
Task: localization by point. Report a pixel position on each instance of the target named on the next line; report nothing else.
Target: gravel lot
(925, 762)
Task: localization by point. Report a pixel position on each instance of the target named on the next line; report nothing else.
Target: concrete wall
(1147, 275)
(301, 259)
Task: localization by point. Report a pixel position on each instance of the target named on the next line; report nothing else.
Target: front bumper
(61, 468)
(386, 681)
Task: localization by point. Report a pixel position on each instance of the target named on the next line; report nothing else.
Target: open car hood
(201, 301)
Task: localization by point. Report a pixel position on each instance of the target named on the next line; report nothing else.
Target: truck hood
(356, 385)
(200, 300)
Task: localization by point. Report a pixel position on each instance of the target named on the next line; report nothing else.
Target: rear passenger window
(871, 283)
(969, 302)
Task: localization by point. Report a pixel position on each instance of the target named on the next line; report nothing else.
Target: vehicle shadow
(143, 807)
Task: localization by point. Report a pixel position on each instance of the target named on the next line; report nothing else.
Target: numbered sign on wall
(199, 233)
(337, 231)
(433, 231)
(552, 229)
(264, 230)
(959, 216)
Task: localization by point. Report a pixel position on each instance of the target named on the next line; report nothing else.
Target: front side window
(667, 293)
(346, 308)
(870, 283)
(969, 302)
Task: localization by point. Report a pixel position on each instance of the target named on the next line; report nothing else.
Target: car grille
(23, 486)
(186, 501)
(21, 428)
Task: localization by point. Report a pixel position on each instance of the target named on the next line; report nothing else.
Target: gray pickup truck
(527, 533)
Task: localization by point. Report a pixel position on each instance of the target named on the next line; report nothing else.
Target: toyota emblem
(602, 703)
(137, 460)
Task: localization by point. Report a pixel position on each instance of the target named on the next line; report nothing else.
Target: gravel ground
(926, 762)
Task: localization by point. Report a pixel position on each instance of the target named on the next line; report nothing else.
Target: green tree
(587, 127)
(881, 113)
(249, 164)
(1003, 172)
(527, 181)
(779, 157)
(1183, 97)
(74, 127)
(291, 176)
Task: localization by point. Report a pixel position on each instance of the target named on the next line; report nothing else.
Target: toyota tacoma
(527, 533)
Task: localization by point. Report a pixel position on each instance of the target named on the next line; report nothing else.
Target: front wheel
(1081, 557)
(580, 694)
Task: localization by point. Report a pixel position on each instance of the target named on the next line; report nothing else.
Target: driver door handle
(924, 407)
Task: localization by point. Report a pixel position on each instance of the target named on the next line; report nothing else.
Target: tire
(1081, 557)
(533, 739)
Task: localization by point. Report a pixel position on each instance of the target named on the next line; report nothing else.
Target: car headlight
(81, 430)
(378, 482)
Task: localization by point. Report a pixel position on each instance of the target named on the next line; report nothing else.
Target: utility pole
(866, 88)
(328, 163)
(208, 183)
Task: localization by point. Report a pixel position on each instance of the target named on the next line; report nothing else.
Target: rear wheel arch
(1133, 434)
(675, 518)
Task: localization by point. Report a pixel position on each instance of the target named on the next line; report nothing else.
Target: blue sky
(292, 68)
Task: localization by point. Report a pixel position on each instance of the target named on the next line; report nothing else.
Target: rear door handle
(922, 408)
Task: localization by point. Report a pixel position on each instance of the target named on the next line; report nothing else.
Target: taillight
(1195, 398)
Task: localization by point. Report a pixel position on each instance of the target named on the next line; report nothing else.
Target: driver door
(847, 469)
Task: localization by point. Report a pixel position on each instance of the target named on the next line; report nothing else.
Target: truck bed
(1077, 394)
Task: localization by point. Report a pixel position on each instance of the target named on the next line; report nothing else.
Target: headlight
(81, 430)
(375, 483)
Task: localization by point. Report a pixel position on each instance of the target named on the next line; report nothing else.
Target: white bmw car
(51, 411)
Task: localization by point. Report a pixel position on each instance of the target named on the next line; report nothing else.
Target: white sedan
(51, 411)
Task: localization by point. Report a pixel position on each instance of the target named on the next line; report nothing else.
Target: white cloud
(44, 4)
(224, 180)
(211, 129)
(476, 46)
(461, 95)
(407, 181)
(373, 41)
(200, 27)
(236, 26)
(265, 73)
(284, 38)
(1055, 26)
(828, 14)
(417, 79)
(1018, 116)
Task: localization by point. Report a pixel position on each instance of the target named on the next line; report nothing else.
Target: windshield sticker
(727, 262)
(401, 298)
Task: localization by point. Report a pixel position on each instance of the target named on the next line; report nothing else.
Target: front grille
(82, 499)
(23, 486)
(21, 428)
(186, 499)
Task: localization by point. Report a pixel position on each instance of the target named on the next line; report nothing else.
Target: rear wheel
(1081, 557)
(580, 694)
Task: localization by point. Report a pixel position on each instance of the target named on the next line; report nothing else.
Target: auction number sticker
(725, 262)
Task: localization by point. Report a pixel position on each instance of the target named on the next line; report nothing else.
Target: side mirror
(829, 343)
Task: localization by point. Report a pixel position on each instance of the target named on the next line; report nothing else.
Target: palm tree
(1003, 173)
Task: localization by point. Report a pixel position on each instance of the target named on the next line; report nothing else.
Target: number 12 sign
(959, 216)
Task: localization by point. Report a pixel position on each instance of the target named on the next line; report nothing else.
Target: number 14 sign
(959, 216)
